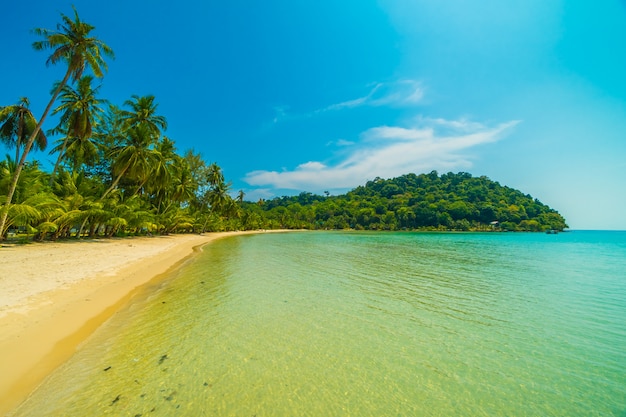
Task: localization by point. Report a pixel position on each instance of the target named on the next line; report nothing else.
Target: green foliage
(417, 202)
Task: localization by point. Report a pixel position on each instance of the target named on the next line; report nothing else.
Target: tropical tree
(135, 158)
(108, 134)
(215, 175)
(71, 44)
(143, 112)
(17, 123)
(79, 110)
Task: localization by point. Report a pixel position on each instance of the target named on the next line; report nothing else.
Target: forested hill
(415, 202)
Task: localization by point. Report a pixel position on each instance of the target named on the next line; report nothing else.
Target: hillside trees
(421, 202)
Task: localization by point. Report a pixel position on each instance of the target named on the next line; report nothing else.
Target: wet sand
(54, 295)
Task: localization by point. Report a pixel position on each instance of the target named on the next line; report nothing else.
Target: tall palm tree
(143, 112)
(79, 110)
(17, 123)
(71, 44)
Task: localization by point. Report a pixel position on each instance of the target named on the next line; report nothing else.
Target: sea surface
(365, 324)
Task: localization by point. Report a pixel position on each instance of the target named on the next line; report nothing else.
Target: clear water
(365, 324)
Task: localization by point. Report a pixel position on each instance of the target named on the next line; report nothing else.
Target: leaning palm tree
(17, 123)
(71, 44)
(79, 110)
(135, 158)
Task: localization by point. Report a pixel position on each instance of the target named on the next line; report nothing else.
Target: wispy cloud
(390, 151)
(397, 94)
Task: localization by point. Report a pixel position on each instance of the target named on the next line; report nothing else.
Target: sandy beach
(54, 295)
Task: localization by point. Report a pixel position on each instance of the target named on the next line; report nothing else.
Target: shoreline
(55, 295)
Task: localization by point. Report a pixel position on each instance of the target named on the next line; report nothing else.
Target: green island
(450, 201)
(117, 174)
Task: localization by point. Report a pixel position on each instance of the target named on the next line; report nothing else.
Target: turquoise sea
(365, 324)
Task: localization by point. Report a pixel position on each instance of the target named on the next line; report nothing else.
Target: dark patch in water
(162, 359)
(115, 400)
(107, 368)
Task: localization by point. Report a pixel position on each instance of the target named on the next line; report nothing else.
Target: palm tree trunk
(82, 226)
(29, 145)
(17, 142)
(140, 186)
(117, 180)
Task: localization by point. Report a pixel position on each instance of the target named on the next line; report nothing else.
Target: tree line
(415, 202)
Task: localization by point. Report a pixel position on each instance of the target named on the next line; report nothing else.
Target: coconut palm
(183, 184)
(71, 44)
(160, 175)
(17, 123)
(79, 110)
(143, 112)
(215, 175)
(135, 158)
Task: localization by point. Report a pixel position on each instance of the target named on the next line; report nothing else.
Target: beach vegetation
(71, 43)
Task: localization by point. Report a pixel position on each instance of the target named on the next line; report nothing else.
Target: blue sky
(291, 96)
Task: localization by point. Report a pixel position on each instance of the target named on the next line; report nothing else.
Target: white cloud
(390, 151)
(343, 142)
(396, 94)
(311, 166)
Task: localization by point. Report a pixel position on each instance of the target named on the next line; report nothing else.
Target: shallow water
(365, 324)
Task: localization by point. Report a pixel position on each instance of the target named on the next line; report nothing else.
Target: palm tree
(240, 196)
(72, 44)
(143, 112)
(215, 175)
(135, 158)
(159, 178)
(79, 109)
(17, 123)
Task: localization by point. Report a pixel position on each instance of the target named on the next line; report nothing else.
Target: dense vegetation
(415, 202)
(116, 173)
